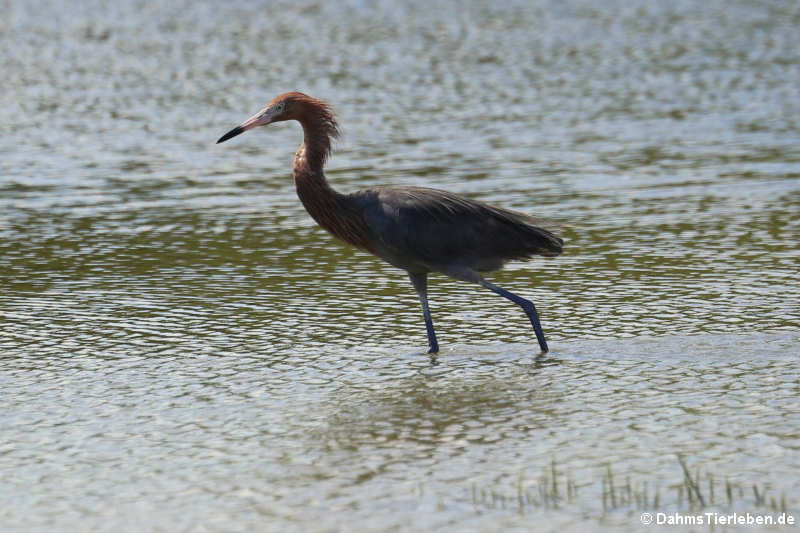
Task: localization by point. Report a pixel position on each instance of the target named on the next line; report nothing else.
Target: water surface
(184, 350)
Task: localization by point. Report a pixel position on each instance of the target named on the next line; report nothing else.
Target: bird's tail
(545, 242)
(535, 238)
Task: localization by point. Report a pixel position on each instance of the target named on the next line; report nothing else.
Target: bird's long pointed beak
(262, 118)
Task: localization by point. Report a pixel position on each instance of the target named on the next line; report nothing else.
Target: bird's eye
(279, 107)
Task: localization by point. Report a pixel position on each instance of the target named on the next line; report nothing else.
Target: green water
(184, 350)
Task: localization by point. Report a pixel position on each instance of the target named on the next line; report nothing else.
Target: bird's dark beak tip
(233, 133)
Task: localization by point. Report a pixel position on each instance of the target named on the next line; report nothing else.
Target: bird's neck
(309, 178)
(330, 209)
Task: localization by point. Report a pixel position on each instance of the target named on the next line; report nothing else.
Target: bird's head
(288, 106)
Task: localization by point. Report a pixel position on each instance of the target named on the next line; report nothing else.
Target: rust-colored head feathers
(318, 121)
(308, 110)
(316, 117)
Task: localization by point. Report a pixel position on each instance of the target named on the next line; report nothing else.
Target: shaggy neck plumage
(309, 178)
(318, 131)
(328, 208)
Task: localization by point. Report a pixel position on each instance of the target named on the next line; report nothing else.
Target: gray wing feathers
(437, 228)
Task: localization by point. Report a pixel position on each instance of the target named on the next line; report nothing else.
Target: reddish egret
(417, 229)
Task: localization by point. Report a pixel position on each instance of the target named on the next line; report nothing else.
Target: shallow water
(184, 350)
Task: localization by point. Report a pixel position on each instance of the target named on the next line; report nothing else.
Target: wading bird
(417, 229)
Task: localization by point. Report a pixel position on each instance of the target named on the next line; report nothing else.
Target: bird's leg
(420, 282)
(526, 305)
(468, 274)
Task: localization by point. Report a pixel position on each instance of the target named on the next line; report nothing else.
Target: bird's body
(417, 229)
(428, 230)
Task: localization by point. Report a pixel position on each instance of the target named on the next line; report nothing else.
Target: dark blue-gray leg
(527, 306)
(420, 282)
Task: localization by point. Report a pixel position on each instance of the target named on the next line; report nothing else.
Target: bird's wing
(438, 228)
